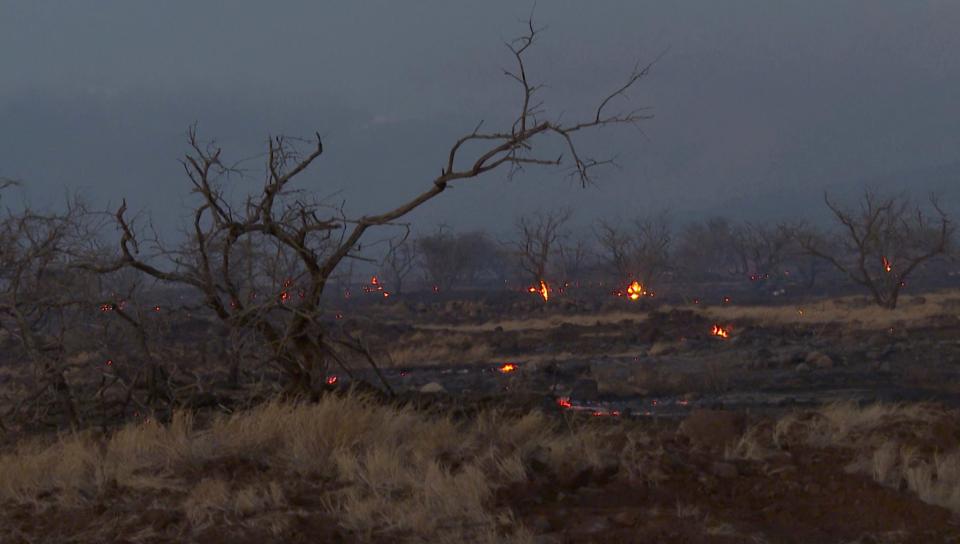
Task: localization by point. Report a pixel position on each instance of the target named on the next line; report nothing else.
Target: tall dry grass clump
(383, 472)
(892, 445)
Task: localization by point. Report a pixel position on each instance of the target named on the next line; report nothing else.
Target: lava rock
(433, 388)
(724, 470)
(817, 359)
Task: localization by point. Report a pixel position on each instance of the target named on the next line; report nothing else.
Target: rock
(541, 524)
(786, 357)
(691, 396)
(803, 368)
(817, 359)
(596, 525)
(433, 388)
(724, 470)
(661, 347)
(627, 518)
(712, 429)
(585, 389)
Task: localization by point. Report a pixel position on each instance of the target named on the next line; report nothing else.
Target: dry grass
(544, 323)
(888, 443)
(425, 348)
(849, 310)
(384, 473)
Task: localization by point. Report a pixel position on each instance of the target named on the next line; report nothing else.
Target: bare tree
(761, 249)
(310, 240)
(573, 255)
(43, 303)
(398, 262)
(641, 250)
(538, 235)
(705, 249)
(442, 256)
(883, 241)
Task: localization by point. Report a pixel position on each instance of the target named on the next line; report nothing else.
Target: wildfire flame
(543, 290)
(374, 281)
(507, 368)
(720, 332)
(635, 290)
(564, 402)
(887, 266)
(332, 379)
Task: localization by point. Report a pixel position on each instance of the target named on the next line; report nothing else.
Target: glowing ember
(106, 307)
(635, 290)
(156, 308)
(564, 402)
(720, 332)
(331, 379)
(109, 362)
(375, 281)
(887, 266)
(507, 368)
(284, 296)
(727, 300)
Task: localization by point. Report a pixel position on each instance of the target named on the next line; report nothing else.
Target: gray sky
(759, 105)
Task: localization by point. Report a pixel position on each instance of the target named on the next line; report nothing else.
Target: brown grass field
(515, 467)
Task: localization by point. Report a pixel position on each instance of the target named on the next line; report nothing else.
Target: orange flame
(564, 402)
(720, 332)
(374, 281)
(635, 290)
(543, 290)
(507, 368)
(331, 380)
(887, 266)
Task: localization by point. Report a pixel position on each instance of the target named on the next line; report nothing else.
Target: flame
(564, 402)
(887, 266)
(721, 332)
(386, 294)
(507, 368)
(332, 379)
(635, 290)
(375, 281)
(543, 290)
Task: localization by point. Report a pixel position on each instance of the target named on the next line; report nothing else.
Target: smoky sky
(759, 106)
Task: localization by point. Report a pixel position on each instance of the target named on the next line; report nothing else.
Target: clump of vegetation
(377, 470)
